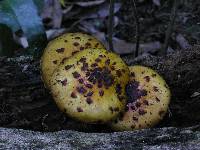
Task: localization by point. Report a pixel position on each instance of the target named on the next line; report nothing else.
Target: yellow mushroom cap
(61, 48)
(90, 86)
(148, 100)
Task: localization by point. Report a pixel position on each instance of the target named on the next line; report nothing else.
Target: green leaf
(7, 16)
(31, 24)
(39, 4)
(7, 44)
(23, 14)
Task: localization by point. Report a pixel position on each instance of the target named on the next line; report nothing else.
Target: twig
(137, 29)
(110, 25)
(169, 29)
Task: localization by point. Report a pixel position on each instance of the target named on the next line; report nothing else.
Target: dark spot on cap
(79, 109)
(133, 92)
(146, 102)
(84, 67)
(153, 75)
(100, 84)
(64, 82)
(118, 89)
(137, 104)
(107, 62)
(65, 41)
(112, 67)
(143, 92)
(133, 108)
(147, 78)
(89, 85)
(74, 52)
(101, 56)
(73, 95)
(76, 74)
(121, 98)
(142, 111)
(87, 74)
(118, 72)
(55, 61)
(155, 88)
(81, 81)
(132, 126)
(89, 39)
(132, 74)
(68, 67)
(63, 60)
(82, 48)
(157, 99)
(76, 44)
(114, 63)
(97, 59)
(96, 45)
(81, 90)
(94, 65)
(60, 50)
(135, 118)
(83, 59)
(77, 38)
(89, 100)
(101, 93)
(111, 109)
(90, 93)
(87, 45)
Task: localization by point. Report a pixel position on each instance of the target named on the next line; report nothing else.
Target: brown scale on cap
(101, 93)
(77, 38)
(76, 44)
(68, 67)
(55, 62)
(73, 95)
(79, 109)
(81, 90)
(118, 72)
(60, 50)
(89, 100)
(63, 60)
(90, 93)
(145, 105)
(81, 81)
(73, 53)
(76, 74)
(147, 78)
(64, 82)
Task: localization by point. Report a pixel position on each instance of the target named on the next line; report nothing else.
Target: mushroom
(61, 48)
(148, 100)
(90, 86)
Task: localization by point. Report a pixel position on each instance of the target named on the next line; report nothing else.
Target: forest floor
(92, 17)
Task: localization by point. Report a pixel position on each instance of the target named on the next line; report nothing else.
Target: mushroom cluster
(92, 85)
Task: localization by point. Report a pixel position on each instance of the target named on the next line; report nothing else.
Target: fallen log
(25, 103)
